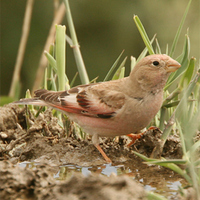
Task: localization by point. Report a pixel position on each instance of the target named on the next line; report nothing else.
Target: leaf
(113, 67)
(179, 30)
(143, 34)
(154, 196)
(133, 62)
(144, 52)
(120, 71)
(168, 164)
(186, 78)
(158, 49)
(51, 60)
(184, 64)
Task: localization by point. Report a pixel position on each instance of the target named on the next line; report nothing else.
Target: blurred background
(104, 29)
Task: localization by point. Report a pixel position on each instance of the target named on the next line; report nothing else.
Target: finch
(117, 107)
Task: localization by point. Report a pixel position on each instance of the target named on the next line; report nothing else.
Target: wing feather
(88, 100)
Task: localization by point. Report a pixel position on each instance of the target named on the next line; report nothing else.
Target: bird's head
(154, 70)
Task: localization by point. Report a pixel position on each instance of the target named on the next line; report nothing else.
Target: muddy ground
(43, 141)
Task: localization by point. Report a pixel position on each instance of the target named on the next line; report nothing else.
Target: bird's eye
(155, 63)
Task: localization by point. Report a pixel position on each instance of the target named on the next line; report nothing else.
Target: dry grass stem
(22, 47)
(43, 61)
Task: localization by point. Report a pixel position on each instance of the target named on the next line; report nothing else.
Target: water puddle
(153, 178)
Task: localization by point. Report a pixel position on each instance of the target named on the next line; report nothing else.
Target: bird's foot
(134, 137)
(139, 135)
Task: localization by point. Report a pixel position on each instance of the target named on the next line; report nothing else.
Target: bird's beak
(173, 66)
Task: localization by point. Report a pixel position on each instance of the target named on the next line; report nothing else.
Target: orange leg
(139, 135)
(134, 137)
(103, 153)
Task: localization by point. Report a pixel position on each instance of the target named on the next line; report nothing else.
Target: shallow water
(153, 178)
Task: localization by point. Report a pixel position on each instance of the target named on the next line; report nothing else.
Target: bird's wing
(89, 100)
(93, 100)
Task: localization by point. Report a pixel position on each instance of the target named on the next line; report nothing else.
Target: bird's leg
(95, 140)
(103, 153)
(139, 135)
(134, 137)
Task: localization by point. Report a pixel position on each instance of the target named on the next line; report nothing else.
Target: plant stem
(77, 54)
(60, 55)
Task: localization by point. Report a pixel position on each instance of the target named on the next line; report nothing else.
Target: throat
(155, 91)
(156, 88)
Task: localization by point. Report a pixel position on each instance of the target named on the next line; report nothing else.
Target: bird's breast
(133, 117)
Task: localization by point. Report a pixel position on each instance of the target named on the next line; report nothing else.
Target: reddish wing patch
(82, 99)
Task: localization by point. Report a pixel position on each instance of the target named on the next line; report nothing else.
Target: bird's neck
(147, 85)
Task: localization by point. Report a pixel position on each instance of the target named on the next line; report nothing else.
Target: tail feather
(31, 101)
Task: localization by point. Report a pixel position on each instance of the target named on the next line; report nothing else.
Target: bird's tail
(31, 101)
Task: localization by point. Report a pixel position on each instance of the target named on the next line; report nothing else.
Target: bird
(116, 107)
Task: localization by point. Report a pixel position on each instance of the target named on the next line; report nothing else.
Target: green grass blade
(176, 169)
(194, 147)
(158, 49)
(171, 104)
(179, 30)
(73, 80)
(167, 164)
(120, 71)
(51, 60)
(28, 95)
(154, 196)
(173, 161)
(143, 34)
(163, 114)
(144, 157)
(184, 64)
(174, 103)
(189, 72)
(60, 55)
(144, 52)
(50, 72)
(53, 64)
(133, 62)
(113, 67)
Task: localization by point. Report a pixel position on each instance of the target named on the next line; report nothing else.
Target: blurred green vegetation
(104, 29)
